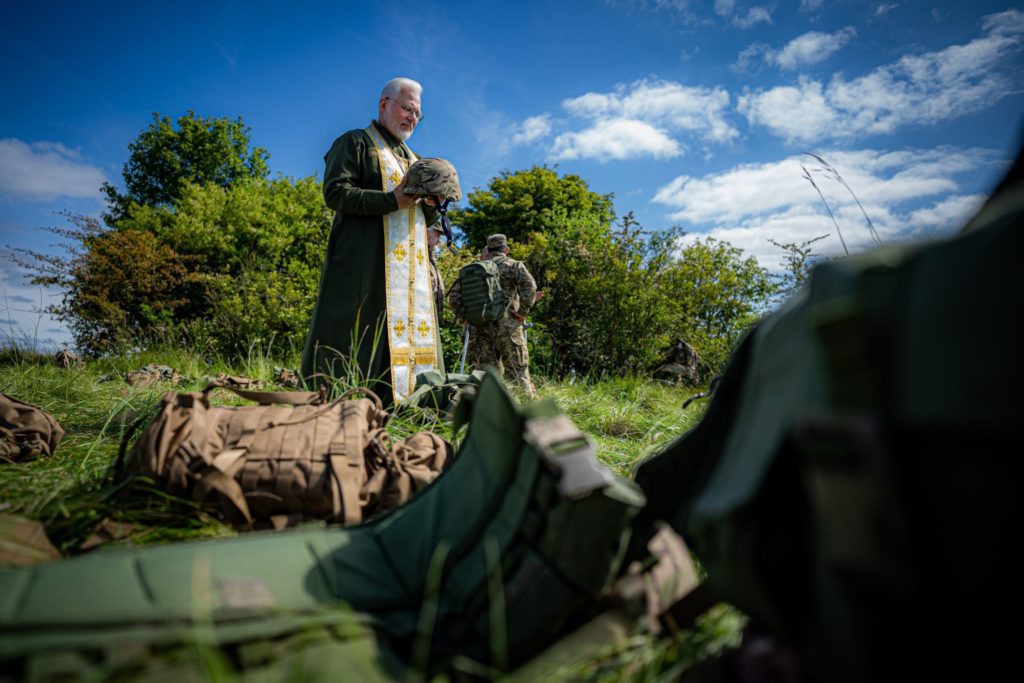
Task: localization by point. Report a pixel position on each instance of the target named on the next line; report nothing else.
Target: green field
(71, 493)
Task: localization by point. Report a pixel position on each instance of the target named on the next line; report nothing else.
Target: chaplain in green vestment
(351, 318)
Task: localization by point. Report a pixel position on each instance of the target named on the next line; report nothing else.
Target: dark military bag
(854, 485)
(442, 392)
(483, 300)
(26, 431)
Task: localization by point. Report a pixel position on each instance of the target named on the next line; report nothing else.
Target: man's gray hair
(393, 87)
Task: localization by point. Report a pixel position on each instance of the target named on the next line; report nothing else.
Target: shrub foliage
(615, 295)
(203, 249)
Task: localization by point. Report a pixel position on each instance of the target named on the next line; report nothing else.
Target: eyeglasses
(411, 111)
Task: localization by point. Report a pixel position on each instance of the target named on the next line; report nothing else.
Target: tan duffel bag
(292, 458)
(26, 431)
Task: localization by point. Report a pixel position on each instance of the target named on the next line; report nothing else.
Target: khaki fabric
(24, 542)
(26, 431)
(282, 464)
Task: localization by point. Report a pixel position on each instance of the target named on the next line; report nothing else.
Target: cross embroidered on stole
(410, 300)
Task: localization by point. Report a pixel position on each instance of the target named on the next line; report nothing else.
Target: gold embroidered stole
(412, 339)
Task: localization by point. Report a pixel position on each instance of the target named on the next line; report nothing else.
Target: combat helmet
(437, 178)
(434, 177)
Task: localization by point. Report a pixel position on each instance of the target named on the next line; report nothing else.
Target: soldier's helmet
(435, 177)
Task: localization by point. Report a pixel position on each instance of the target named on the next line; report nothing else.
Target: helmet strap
(446, 224)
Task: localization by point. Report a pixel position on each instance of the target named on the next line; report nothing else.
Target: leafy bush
(259, 247)
(616, 297)
(197, 150)
(719, 295)
(202, 248)
(219, 268)
(530, 202)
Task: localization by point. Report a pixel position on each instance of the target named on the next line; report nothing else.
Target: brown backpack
(282, 464)
(26, 431)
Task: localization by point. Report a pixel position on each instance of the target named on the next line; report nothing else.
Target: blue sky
(691, 113)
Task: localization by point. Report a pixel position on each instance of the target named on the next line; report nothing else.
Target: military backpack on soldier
(483, 300)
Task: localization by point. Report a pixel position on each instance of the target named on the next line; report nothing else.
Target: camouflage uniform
(436, 283)
(502, 345)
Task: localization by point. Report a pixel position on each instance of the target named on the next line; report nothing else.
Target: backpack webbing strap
(570, 452)
(284, 478)
(266, 398)
(345, 457)
(662, 598)
(215, 480)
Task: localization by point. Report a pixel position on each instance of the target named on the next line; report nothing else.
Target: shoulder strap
(266, 398)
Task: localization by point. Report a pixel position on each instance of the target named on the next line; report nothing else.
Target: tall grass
(72, 493)
(826, 170)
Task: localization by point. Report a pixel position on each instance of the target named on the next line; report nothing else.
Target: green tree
(797, 262)
(719, 295)
(615, 296)
(119, 285)
(609, 309)
(255, 250)
(201, 247)
(535, 201)
(168, 155)
(219, 268)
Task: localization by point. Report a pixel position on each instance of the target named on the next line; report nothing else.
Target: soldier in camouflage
(502, 344)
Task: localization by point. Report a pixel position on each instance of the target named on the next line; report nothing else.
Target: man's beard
(396, 130)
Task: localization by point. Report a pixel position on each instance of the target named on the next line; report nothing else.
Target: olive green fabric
(854, 484)
(352, 300)
(509, 547)
(442, 393)
(483, 300)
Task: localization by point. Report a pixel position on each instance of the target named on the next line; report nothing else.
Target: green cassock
(352, 302)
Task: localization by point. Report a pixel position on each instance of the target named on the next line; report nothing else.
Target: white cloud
(699, 110)
(751, 56)
(753, 17)
(800, 112)
(811, 5)
(44, 171)
(647, 114)
(530, 130)
(1008, 23)
(906, 193)
(618, 138)
(916, 89)
(811, 48)
(948, 214)
(744, 20)
(884, 8)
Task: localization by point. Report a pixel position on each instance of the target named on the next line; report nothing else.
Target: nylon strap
(266, 398)
(215, 480)
(570, 452)
(344, 457)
